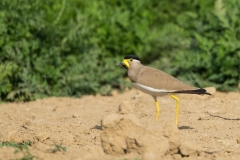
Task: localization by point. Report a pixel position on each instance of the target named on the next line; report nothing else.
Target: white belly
(151, 91)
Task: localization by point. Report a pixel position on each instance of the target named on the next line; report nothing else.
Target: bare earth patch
(123, 126)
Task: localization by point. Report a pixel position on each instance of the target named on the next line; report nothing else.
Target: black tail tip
(196, 91)
(204, 91)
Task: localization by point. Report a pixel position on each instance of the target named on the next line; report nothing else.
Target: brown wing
(157, 79)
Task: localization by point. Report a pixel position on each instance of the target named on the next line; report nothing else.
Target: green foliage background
(71, 47)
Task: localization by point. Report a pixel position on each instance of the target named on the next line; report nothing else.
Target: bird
(156, 82)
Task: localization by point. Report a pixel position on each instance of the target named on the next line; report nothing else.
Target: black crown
(131, 56)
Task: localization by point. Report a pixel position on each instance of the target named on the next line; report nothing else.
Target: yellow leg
(157, 107)
(177, 105)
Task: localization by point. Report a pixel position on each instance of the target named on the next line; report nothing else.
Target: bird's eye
(131, 59)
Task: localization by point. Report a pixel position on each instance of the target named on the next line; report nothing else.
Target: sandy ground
(209, 127)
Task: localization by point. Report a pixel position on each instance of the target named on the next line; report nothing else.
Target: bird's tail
(196, 91)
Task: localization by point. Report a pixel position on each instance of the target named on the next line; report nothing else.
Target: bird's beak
(124, 64)
(120, 64)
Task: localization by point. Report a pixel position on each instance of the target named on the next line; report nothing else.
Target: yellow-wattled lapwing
(156, 83)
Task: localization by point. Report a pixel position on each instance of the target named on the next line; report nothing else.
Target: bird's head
(129, 60)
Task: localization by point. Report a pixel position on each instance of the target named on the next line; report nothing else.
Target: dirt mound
(124, 134)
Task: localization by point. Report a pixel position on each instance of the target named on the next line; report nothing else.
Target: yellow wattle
(125, 61)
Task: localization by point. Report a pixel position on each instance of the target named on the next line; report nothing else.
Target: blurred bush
(71, 47)
(212, 55)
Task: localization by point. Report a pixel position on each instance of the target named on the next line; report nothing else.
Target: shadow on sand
(185, 127)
